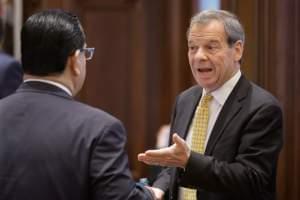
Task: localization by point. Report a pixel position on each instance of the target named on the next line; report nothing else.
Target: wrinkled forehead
(213, 30)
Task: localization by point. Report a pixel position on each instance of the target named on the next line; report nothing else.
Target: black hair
(48, 38)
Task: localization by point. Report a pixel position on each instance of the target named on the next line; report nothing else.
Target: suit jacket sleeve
(11, 78)
(252, 169)
(109, 171)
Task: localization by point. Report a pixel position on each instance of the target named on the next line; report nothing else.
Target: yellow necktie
(199, 128)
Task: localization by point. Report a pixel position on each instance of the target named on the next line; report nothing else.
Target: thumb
(178, 140)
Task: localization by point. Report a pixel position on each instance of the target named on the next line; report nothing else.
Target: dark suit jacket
(11, 75)
(242, 152)
(55, 148)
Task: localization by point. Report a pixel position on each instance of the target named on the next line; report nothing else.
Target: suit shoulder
(190, 93)
(95, 114)
(262, 96)
(7, 59)
(194, 90)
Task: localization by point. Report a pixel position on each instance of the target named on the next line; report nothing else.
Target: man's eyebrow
(191, 42)
(214, 41)
(205, 41)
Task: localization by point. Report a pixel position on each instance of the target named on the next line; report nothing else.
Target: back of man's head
(48, 39)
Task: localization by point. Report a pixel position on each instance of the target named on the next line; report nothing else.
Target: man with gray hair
(226, 131)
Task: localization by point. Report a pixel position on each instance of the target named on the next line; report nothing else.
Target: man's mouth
(204, 70)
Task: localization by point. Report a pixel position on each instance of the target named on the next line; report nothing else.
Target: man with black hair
(51, 146)
(11, 75)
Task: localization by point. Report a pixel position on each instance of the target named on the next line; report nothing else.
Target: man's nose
(201, 54)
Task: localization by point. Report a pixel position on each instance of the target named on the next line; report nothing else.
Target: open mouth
(204, 70)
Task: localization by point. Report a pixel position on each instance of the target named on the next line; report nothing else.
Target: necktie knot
(206, 99)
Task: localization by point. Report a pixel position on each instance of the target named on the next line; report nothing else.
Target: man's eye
(192, 48)
(211, 47)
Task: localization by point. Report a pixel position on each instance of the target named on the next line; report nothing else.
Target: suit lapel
(231, 107)
(188, 112)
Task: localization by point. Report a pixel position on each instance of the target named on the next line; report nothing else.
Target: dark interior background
(140, 65)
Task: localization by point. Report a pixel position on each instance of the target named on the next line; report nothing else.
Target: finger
(141, 156)
(169, 162)
(151, 162)
(164, 152)
(150, 159)
(144, 159)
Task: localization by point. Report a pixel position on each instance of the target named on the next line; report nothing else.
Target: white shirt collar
(221, 94)
(59, 85)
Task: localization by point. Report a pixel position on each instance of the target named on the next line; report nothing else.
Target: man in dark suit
(243, 133)
(11, 75)
(51, 146)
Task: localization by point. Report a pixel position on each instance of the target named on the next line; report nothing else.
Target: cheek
(191, 62)
(84, 72)
(223, 69)
(190, 58)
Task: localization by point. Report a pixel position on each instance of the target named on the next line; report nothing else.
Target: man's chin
(207, 85)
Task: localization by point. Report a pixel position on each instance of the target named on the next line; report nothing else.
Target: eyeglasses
(88, 52)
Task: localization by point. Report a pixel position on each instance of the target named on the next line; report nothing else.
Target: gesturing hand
(175, 155)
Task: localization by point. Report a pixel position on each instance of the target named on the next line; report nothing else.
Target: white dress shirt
(59, 85)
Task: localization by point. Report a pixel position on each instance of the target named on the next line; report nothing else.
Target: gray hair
(232, 26)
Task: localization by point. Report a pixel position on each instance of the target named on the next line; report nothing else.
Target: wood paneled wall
(125, 75)
(140, 65)
(272, 60)
(288, 74)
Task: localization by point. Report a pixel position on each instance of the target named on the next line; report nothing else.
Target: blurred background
(140, 63)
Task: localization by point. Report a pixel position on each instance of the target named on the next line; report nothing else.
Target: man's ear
(73, 64)
(238, 50)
